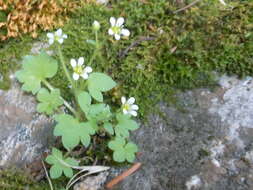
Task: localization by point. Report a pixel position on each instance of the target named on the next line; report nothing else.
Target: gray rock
(204, 141)
(24, 134)
(92, 182)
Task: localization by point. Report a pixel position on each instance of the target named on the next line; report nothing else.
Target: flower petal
(85, 75)
(120, 21)
(60, 40)
(125, 111)
(112, 21)
(125, 32)
(222, 2)
(73, 62)
(65, 36)
(50, 35)
(134, 107)
(123, 99)
(117, 37)
(80, 61)
(58, 32)
(131, 100)
(133, 113)
(75, 76)
(51, 41)
(110, 32)
(88, 69)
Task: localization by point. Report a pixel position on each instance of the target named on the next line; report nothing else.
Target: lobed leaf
(122, 151)
(125, 124)
(99, 82)
(72, 132)
(49, 101)
(60, 165)
(34, 70)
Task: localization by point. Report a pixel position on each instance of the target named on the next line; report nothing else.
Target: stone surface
(92, 182)
(203, 142)
(24, 134)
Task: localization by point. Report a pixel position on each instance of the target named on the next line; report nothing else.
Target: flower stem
(74, 87)
(64, 65)
(51, 88)
(95, 52)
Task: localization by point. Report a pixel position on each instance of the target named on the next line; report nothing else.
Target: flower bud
(96, 25)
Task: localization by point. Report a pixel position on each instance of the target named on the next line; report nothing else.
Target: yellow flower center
(126, 107)
(78, 70)
(116, 29)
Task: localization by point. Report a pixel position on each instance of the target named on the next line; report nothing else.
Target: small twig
(186, 7)
(48, 178)
(122, 176)
(134, 44)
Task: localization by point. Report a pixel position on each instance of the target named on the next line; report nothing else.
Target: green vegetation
(17, 180)
(206, 38)
(168, 50)
(164, 51)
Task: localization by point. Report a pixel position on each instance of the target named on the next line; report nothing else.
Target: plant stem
(95, 52)
(51, 88)
(64, 66)
(69, 79)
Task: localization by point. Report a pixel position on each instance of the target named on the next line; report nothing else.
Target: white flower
(79, 69)
(117, 28)
(96, 25)
(128, 106)
(57, 36)
(222, 2)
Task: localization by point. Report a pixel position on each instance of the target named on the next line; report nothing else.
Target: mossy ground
(170, 50)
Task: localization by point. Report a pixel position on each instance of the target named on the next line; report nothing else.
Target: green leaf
(60, 165)
(101, 82)
(72, 132)
(119, 155)
(108, 127)
(99, 112)
(34, 70)
(55, 171)
(49, 101)
(84, 101)
(117, 143)
(95, 93)
(122, 151)
(125, 124)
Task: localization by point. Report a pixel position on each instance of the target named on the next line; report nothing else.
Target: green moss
(206, 37)
(17, 180)
(11, 52)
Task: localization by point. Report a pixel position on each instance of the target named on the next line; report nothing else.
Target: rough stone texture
(203, 142)
(24, 134)
(92, 182)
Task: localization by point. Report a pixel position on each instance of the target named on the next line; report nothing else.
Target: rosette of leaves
(60, 165)
(122, 150)
(49, 101)
(34, 70)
